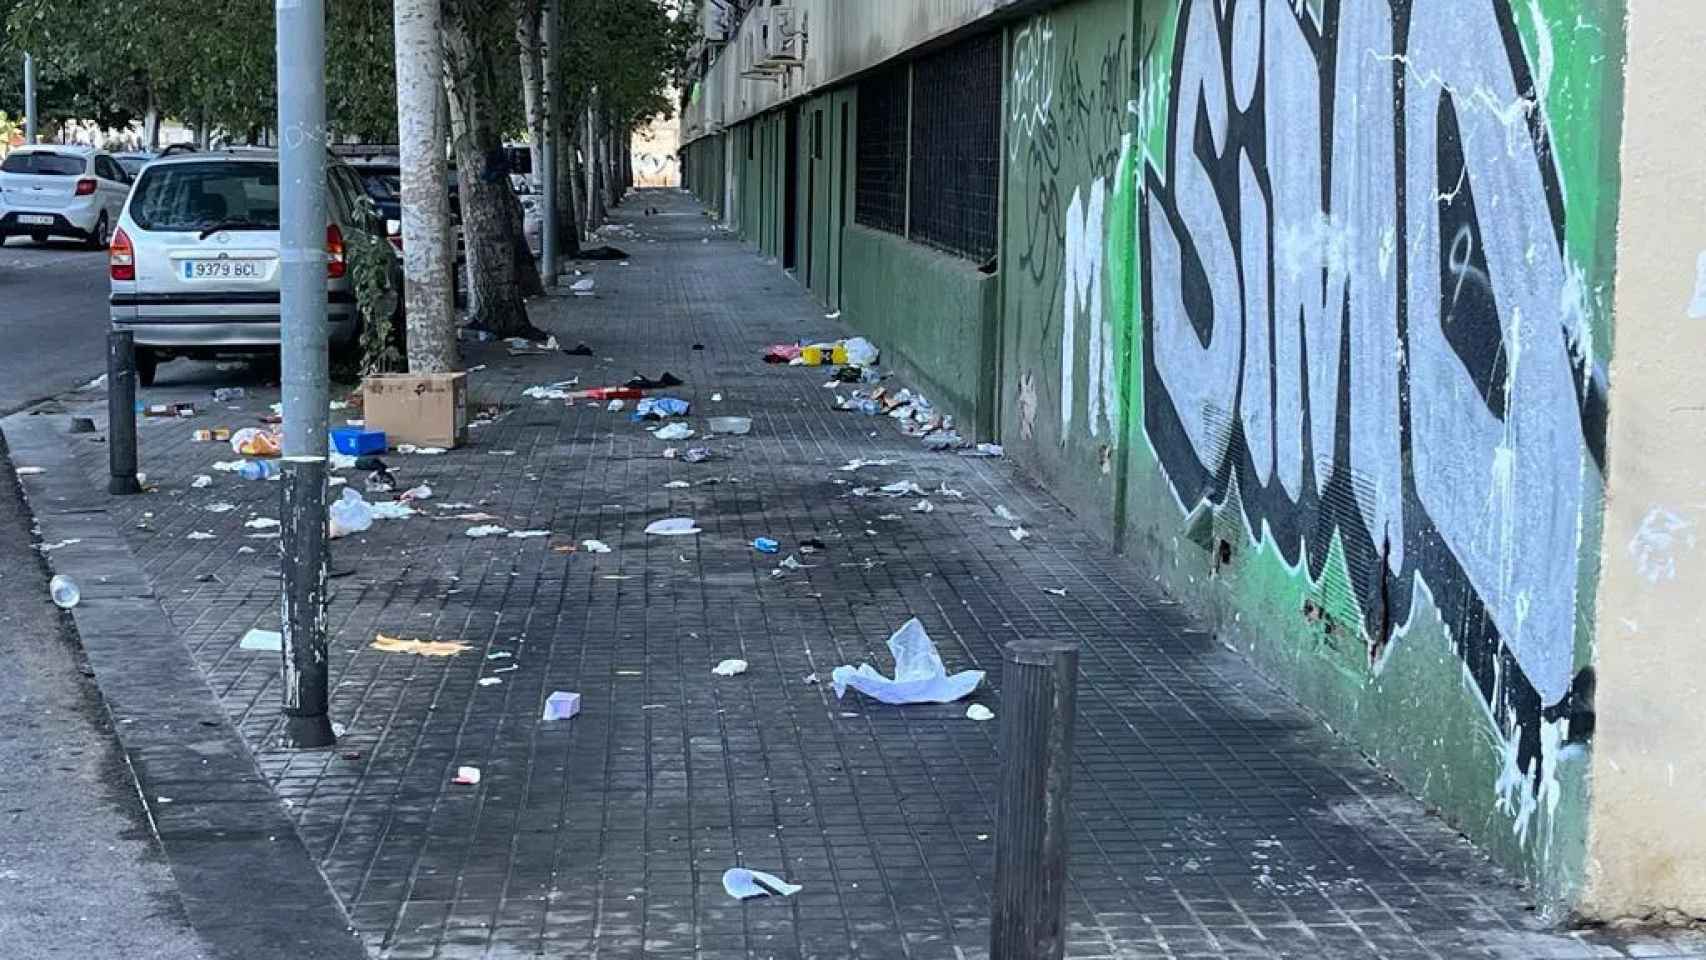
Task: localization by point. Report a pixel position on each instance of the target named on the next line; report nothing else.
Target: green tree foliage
(632, 50)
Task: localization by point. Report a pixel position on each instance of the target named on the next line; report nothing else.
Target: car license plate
(35, 220)
(223, 270)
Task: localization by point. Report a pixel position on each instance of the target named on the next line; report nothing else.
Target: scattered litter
(730, 668)
(766, 545)
(509, 669)
(561, 705)
(409, 448)
(583, 287)
(490, 681)
(659, 408)
(673, 527)
(810, 680)
(551, 391)
(664, 379)
(261, 523)
(833, 316)
(62, 590)
(528, 534)
(919, 676)
(422, 492)
(1055, 591)
(199, 535)
(857, 464)
(500, 655)
(391, 510)
(616, 406)
(901, 488)
(229, 466)
(50, 547)
(420, 648)
(733, 426)
(473, 517)
(466, 776)
(986, 450)
(259, 470)
(486, 530)
(943, 440)
(220, 507)
(579, 350)
(857, 351)
(255, 442)
(263, 536)
(31, 471)
(201, 482)
(948, 491)
(669, 453)
(790, 562)
(697, 455)
(1019, 534)
(245, 549)
(924, 506)
(595, 546)
(782, 353)
(744, 884)
(1006, 514)
(677, 485)
(267, 640)
(675, 431)
(349, 514)
(716, 398)
(812, 545)
(979, 712)
(380, 481)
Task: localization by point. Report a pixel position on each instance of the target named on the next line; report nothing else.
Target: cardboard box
(427, 410)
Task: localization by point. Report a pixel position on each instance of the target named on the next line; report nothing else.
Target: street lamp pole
(305, 244)
(29, 99)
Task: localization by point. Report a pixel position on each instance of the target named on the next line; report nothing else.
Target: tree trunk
(491, 229)
(595, 167)
(429, 303)
(568, 228)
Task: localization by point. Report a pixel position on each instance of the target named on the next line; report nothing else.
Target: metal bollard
(121, 413)
(303, 518)
(1039, 693)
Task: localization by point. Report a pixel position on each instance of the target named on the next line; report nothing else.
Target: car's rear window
(196, 196)
(382, 186)
(44, 164)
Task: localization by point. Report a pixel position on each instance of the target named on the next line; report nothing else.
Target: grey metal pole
(308, 723)
(29, 99)
(1039, 692)
(303, 224)
(303, 238)
(548, 152)
(121, 413)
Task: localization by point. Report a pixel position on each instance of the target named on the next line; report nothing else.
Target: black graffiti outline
(1492, 666)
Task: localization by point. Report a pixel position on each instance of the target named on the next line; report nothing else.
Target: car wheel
(147, 365)
(38, 238)
(101, 235)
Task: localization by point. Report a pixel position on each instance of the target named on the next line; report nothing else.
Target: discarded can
(766, 545)
(64, 592)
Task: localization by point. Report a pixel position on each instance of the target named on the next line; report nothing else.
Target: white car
(195, 260)
(57, 191)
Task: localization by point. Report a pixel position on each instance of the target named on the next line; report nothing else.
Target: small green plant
(376, 295)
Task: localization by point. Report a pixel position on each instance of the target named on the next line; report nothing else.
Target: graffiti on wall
(1068, 105)
(1362, 327)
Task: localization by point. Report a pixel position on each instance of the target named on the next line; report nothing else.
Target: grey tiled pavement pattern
(1210, 816)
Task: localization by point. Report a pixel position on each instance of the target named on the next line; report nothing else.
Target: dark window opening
(880, 180)
(956, 156)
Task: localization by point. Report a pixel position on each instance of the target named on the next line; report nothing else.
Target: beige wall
(1647, 827)
(843, 37)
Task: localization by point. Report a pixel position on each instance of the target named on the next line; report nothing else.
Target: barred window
(956, 137)
(880, 188)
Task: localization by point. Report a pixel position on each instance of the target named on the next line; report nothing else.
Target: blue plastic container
(356, 442)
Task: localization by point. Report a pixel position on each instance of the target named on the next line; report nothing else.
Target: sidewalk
(1211, 817)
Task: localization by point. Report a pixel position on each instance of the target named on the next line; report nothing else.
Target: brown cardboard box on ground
(428, 410)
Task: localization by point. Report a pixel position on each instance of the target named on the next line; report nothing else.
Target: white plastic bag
(861, 352)
(919, 676)
(350, 514)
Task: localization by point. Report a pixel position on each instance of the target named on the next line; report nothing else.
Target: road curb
(247, 881)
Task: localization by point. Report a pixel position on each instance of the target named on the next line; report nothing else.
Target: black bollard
(1039, 683)
(121, 413)
(307, 722)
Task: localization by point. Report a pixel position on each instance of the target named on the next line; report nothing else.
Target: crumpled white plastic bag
(919, 676)
(744, 884)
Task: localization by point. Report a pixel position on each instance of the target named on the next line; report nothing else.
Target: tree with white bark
(428, 266)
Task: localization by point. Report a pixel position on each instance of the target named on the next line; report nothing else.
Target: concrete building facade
(1363, 326)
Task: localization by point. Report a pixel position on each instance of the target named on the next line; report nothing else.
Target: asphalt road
(53, 319)
(80, 875)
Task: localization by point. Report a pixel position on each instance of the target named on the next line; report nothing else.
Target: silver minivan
(195, 259)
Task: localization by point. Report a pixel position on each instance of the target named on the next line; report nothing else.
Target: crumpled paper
(744, 884)
(919, 676)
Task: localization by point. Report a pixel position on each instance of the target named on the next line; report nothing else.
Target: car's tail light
(85, 187)
(121, 256)
(336, 265)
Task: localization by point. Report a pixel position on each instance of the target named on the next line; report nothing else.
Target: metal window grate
(956, 156)
(880, 190)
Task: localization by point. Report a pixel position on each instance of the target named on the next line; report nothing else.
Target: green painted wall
(933, 316)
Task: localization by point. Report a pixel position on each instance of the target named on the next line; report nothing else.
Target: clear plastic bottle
(64, 592)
